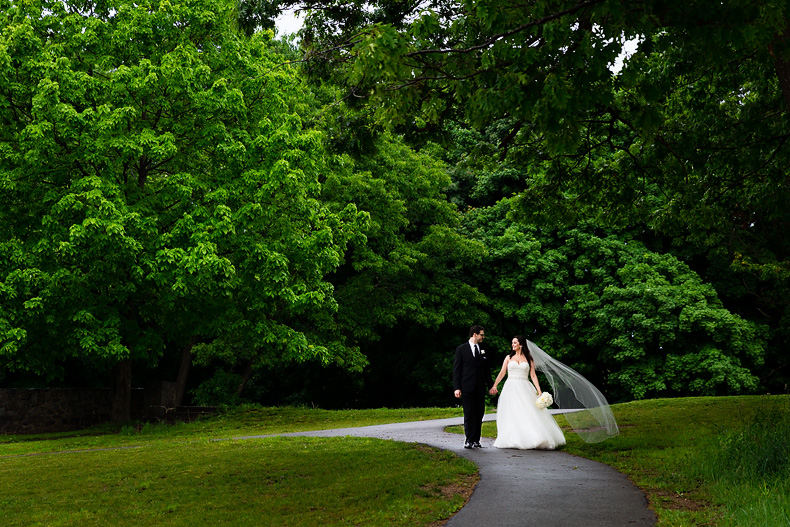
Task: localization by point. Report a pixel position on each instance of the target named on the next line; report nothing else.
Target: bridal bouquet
(544, 401)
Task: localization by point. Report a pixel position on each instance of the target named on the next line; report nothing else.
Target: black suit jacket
(471, 374)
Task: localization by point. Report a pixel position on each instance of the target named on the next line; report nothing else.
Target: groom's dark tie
(477, 352)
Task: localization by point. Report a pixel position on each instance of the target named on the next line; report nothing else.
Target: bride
(520, 423)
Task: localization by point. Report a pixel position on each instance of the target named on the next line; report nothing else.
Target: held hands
(457, 394)
(493, 391)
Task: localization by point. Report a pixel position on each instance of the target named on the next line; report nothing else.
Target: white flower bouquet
(544, 401)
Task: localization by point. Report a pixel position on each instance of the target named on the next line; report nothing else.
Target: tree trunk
(122, 398)
(183, 371)
(782, 64)
(245, 377)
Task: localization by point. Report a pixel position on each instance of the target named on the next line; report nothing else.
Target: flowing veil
(588, 412)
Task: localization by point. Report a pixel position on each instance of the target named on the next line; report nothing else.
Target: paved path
(524, 488)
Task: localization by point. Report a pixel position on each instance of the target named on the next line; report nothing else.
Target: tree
(403, 277)
(637, 323)
(411, 268)
(411, 277)
(157, 186)
(543, 64)
(688, 138)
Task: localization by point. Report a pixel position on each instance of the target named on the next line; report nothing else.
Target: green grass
(178, 475)
(749, 468)
(243, 421)
(722, 461)
(698, 459)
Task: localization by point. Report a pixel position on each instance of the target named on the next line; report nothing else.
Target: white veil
(588, 412)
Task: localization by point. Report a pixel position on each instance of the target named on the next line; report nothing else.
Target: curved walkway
(524, 488)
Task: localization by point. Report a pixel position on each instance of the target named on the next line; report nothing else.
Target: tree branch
(493, 40)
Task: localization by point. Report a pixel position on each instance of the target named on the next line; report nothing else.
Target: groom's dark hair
(475, 330)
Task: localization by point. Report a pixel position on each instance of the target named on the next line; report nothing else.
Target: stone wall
(39, 410)
(42, 410)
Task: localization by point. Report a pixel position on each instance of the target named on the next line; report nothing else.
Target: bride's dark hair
(524, 349)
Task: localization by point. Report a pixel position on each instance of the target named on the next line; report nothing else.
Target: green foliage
(410, 268)
(157, 185)
(406, 267)
(638, 323)
(219, 390)
(686, 139)
(544, 64)
(165, 180)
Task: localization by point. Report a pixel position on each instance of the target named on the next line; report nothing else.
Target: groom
(471, 374)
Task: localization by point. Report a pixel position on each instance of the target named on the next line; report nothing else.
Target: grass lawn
(243, 421)
(177, 475)
(713, 461)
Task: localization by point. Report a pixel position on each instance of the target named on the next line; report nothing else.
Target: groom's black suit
(471, 375)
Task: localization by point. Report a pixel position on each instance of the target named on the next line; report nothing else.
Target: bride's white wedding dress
(521, 424)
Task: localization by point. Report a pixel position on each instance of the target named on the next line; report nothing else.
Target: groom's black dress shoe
(477, 445)
(467, 445)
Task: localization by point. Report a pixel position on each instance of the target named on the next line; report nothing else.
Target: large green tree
(404, 276)
(156, 186)
(688, 138)
(638, 323)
